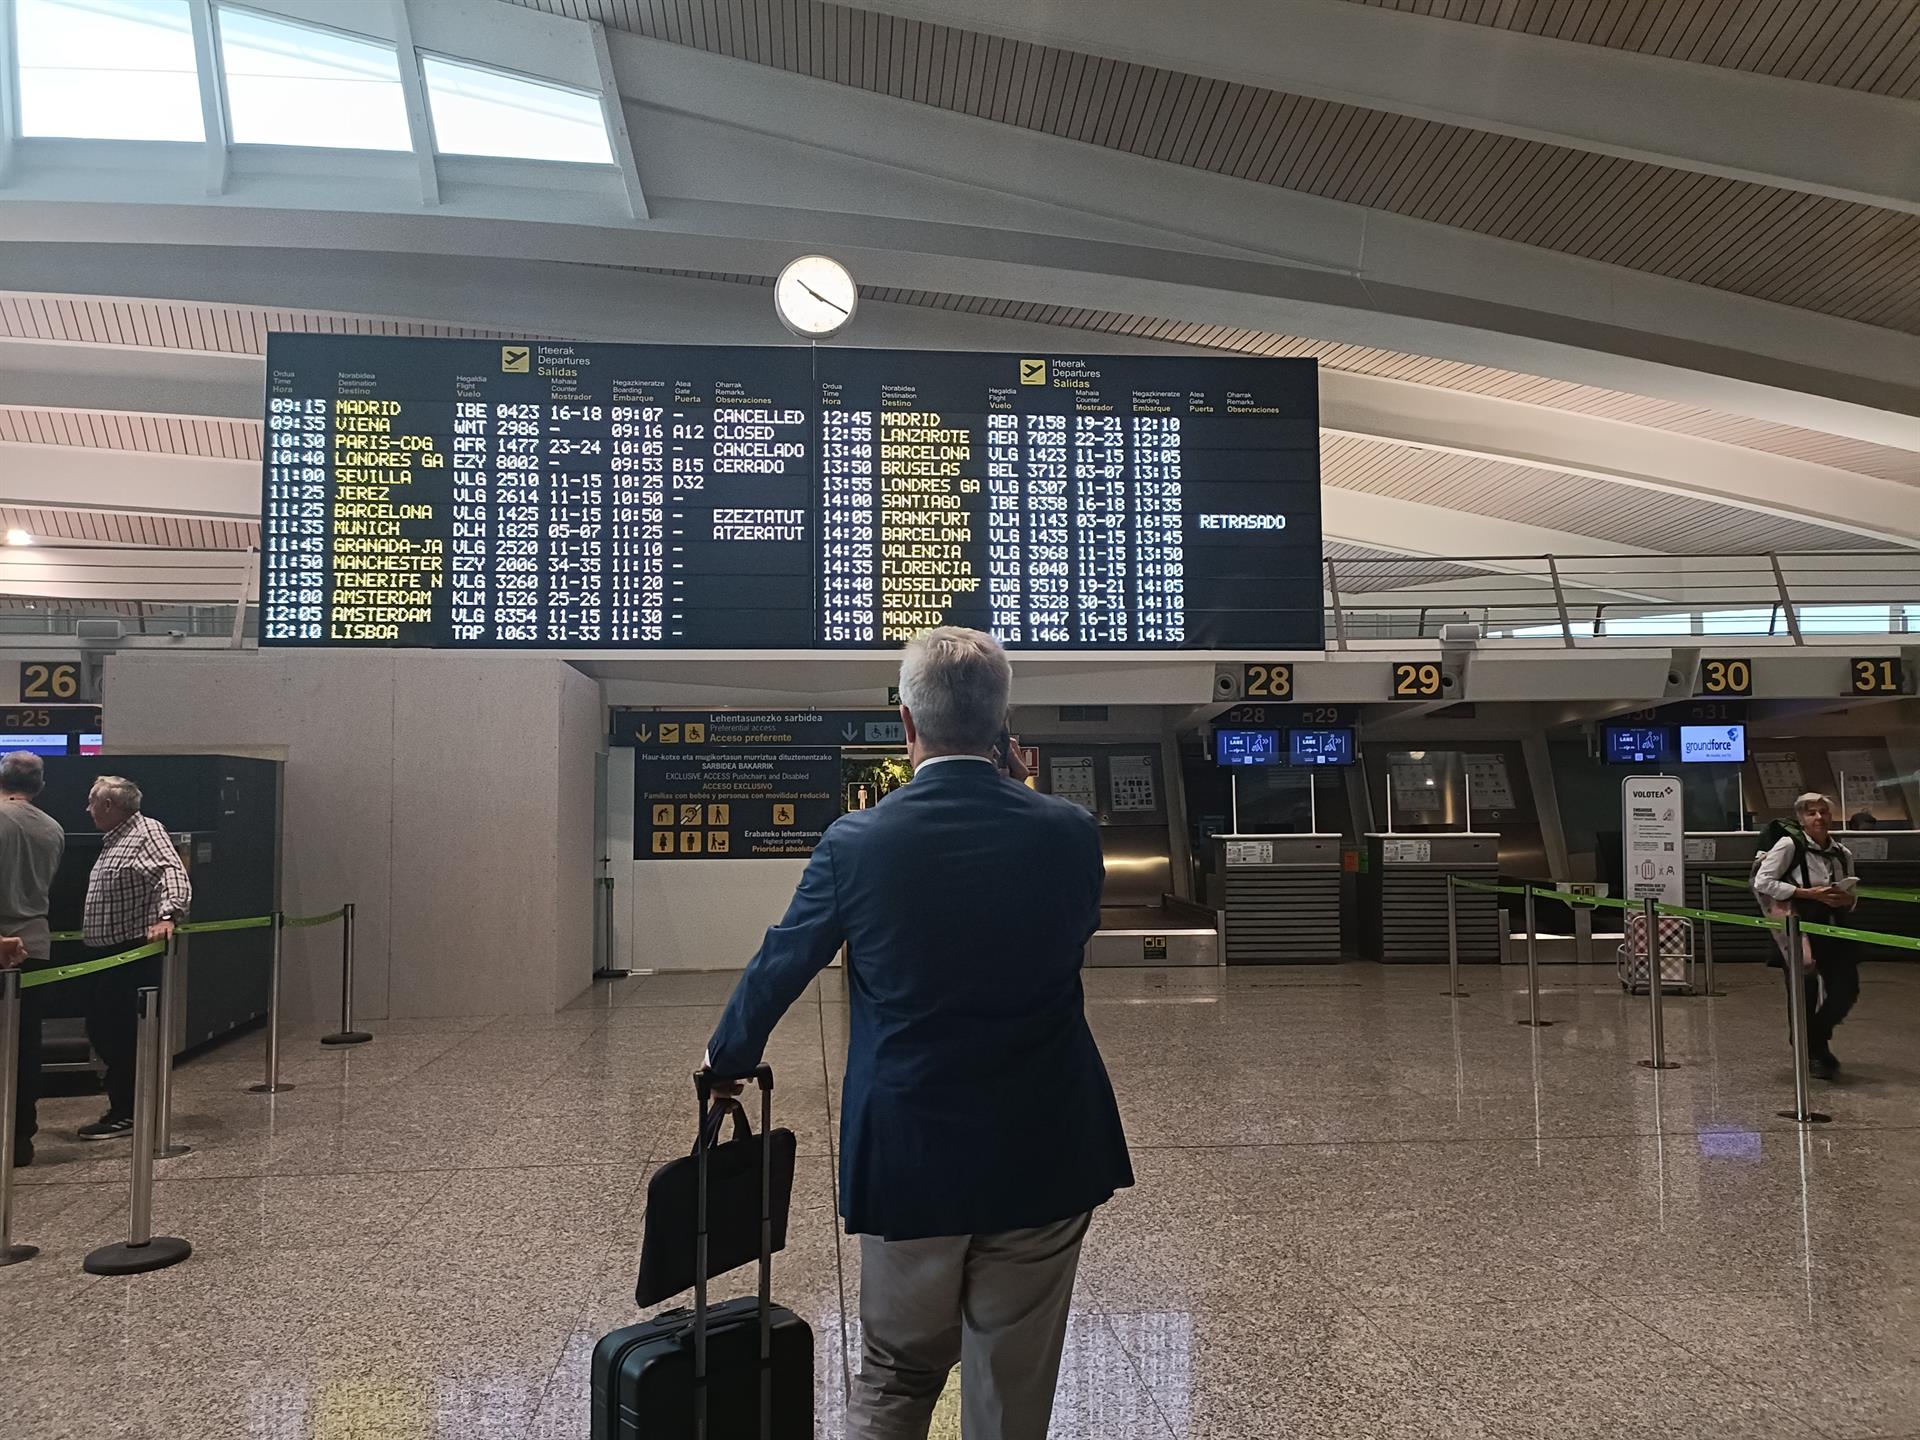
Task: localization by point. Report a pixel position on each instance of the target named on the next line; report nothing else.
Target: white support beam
(9, 91)
(1819, 139)
(77, 573)
(413, 88)
(1411, 528)
(614, 112)
(67, 477)
(213, 93)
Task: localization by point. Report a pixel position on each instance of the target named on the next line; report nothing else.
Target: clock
(814, 296)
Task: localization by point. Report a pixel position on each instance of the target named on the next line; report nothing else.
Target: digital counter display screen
(1246, 747)
(1320, 747)
(1637, 744)
(466, 493)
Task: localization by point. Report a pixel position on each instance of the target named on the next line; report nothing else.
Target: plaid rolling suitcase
(741, 1370)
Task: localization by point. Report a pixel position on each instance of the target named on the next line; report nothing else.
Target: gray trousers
(996, 1304)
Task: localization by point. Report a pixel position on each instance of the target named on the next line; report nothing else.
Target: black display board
(468, 493)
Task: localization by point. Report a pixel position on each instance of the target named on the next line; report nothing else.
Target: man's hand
(160, 930)
(1016, 762)
(13, 952)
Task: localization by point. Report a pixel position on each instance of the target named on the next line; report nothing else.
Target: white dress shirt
(1824, 867)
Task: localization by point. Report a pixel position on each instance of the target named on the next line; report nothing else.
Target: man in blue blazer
(978, 1130)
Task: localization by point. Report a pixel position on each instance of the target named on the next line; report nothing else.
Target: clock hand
(821, 298)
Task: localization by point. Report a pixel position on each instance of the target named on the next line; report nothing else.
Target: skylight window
(107, 70)
(294, 84)
(477, 111)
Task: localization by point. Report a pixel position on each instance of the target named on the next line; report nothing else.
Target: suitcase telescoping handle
(703, 1079)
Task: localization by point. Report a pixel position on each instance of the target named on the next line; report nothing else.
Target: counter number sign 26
(1267, 682)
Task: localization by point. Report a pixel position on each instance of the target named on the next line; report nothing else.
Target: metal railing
(1570, 599)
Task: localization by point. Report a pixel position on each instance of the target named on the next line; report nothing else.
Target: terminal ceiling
(1656, 289)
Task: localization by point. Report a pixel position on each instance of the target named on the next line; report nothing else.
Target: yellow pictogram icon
(716, 842)
(1033, 372)
(689, 842)
(696, 732)
(783, 814)
(663, 842)
(689, 814)
(514, 359)
(669, 734)
(719, 814)
(663, 814)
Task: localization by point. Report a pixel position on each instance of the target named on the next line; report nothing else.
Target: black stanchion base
(346, 1037)
(123, 1259)
(14, 1254)
(1535, 1024)
(1658, 1064)
(265, 1089)
(172, 1152)
(1455, 994)
(1812, 1117)
(611, 974)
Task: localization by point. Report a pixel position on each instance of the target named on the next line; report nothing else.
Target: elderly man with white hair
(137, 892)
(979, 1130)
(1812, 873)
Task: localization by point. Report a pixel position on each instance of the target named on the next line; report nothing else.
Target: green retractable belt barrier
(55, 973)
(1721, 917)
(90, 967)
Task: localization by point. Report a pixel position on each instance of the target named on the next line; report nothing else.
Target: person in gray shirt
(31, 843)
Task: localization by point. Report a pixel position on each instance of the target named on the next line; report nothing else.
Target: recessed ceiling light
(19, 537)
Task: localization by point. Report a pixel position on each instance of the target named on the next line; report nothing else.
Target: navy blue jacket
(976, 1100)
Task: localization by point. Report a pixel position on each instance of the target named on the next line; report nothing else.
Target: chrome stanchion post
(10, 1253)
(1803, 1110)
(346, 1034)
(143, 1249)
(1453, 939)
(1706, 940)
(1533, 964)
(1656, 987)
(271, 1085)
(163, 1146)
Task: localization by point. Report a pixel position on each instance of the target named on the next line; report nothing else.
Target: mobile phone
(1002, 748)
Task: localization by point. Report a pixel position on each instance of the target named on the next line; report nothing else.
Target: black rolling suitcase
(740, 1370)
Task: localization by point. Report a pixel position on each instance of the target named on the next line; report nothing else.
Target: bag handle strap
(715, 1121)
(712, 1112)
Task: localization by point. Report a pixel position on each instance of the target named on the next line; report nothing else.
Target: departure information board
(466, 493)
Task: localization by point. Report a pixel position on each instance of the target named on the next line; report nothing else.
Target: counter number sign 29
(1880, 676)
(1267, 682)
(1417, 680)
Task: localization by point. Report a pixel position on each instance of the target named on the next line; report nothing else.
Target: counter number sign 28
(1267, 682)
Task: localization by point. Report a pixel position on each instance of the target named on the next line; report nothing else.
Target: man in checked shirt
(137, 892)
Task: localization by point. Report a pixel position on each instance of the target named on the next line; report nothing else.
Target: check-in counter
(1714, 855)
(1403, 897)
(1174, 932)
(1280, 898)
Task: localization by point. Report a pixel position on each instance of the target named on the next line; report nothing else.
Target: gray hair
(1807, 801)
(118, 791)
(956, 683)
(22, 773)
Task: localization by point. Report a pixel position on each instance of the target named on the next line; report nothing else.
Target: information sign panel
(465, 493)
(733, 805)
(1652, 832)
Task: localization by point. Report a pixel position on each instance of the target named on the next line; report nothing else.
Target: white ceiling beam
(550, 300)
(613, 112)
(130, 482)
(1411, 528)
(78, 573)
(1789, 134)
(213, 92)
(748, 166)
(1460, 423)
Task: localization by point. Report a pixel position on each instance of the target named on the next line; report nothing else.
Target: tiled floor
(1363, 1211)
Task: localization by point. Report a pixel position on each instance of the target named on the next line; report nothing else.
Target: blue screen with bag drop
(1246, 747)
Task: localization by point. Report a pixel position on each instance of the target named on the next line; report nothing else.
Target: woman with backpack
(1809, 871)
